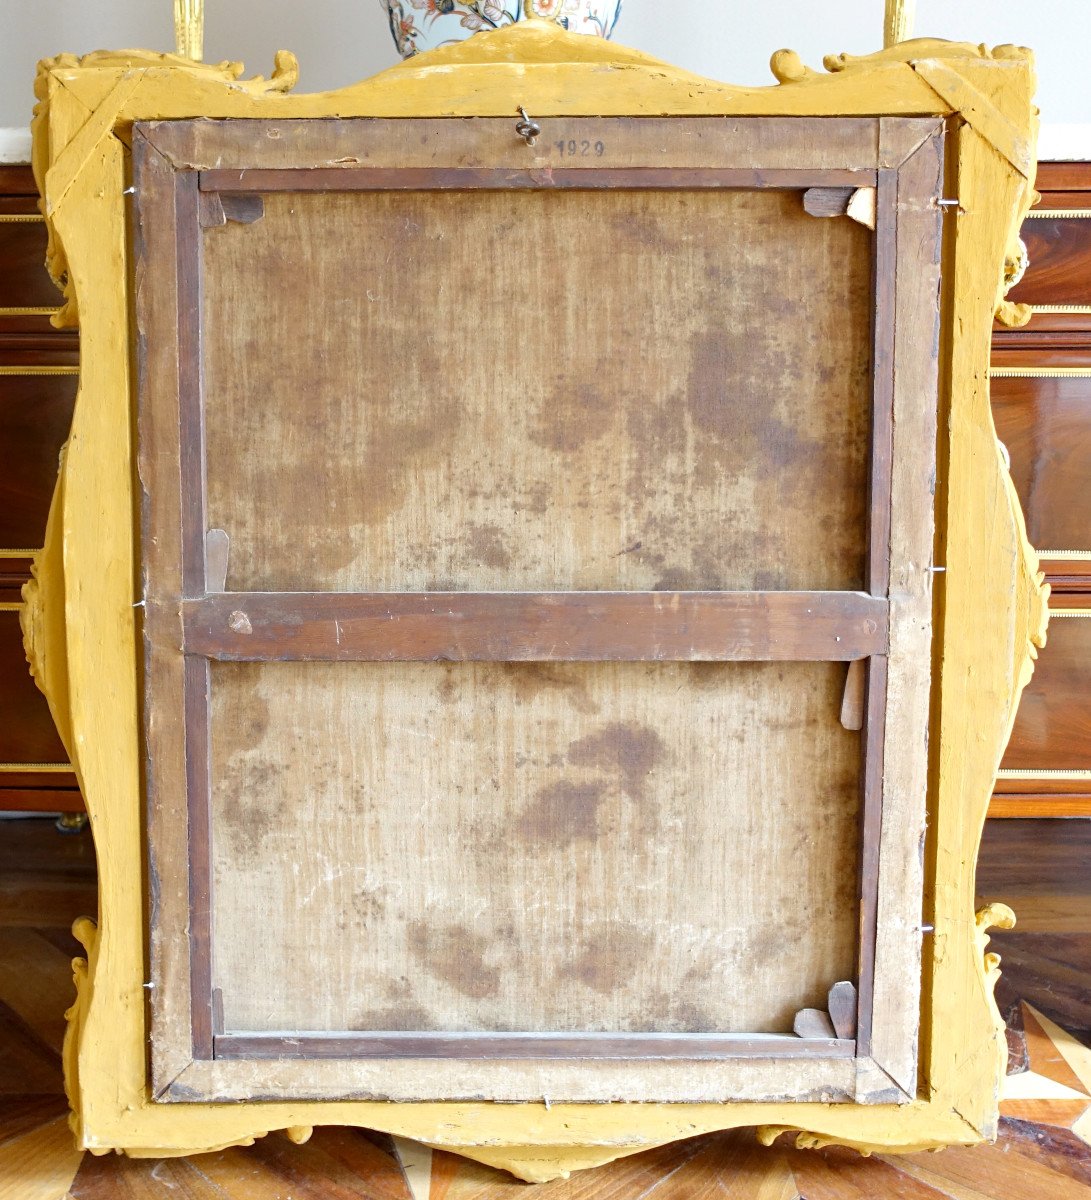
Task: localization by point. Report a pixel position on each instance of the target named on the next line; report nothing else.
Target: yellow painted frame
(82, 638)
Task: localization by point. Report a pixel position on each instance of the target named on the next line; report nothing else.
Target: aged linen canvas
(498, 390)
(503, 391)
(628, 847)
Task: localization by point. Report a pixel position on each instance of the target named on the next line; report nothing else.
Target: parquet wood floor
(1042, 868)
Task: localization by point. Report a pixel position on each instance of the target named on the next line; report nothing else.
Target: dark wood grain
(1045, 423)
(1053, 725)
(46, 879)
(1046, 426)
(35, 416)
(17, 179)
(27, 733)
(536, 626)
(57, 779)
(1049, 333)
(1066, 576)
(24, 282)
(27, 1064)
(191, 436)
(1070, 198)
(1059, 256)
(1043, 870)
(44, 347)
(1055, 1148)
(40, 799)
(1013, 786)
(1061, 177)
(14, 572)
(1023, 802)
(1027, 349)
(1057, 269)
(23, 277)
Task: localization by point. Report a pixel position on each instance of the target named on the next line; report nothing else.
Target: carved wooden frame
(82, 636)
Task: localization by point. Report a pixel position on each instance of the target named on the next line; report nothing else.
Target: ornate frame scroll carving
(81, 630)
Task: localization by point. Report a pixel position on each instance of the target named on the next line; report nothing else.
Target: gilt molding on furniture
(567, 673)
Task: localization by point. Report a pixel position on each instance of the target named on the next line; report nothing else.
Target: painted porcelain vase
(425, 24)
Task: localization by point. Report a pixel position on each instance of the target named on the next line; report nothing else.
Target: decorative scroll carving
(768, 1134)
(42, 619)
(992, 916)
(788, 67)
(1033, 607)
(1014, 316)
(921, 48)
(85, 932)
(284, 77)
(998, 916)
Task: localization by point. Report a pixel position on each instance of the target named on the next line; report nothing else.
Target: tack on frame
(192, 1058)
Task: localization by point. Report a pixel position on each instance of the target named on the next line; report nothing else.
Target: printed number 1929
(583, 149)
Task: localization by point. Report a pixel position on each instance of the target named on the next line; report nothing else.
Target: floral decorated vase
(425, 24)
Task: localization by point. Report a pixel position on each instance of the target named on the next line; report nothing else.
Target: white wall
(340, 41)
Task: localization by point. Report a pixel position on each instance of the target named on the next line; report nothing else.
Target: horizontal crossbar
(378, 179)
(683, 1046)
(535, 626)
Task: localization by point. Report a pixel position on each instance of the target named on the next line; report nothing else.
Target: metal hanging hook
(527, 129)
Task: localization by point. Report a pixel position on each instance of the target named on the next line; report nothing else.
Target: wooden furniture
(429, 664)
(37, 388)
(1042, 407)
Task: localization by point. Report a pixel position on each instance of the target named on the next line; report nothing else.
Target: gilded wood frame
(82, 637)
